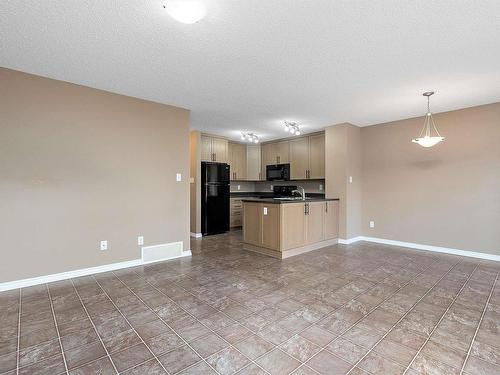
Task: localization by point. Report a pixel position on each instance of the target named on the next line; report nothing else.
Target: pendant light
(429, 136)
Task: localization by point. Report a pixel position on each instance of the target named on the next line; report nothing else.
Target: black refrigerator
(214, 198)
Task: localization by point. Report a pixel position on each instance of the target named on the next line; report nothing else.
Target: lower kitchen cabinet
(287, 226)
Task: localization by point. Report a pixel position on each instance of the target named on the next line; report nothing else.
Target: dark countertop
(279, 201)
(267, 194)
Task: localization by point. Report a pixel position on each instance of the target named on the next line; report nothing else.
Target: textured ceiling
(251, 64)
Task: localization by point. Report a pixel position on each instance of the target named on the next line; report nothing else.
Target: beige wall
(195, 183)
(79, 165)
(448, 195)
(343, 160)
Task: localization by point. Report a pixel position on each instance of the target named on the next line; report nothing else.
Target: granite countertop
(281, 201)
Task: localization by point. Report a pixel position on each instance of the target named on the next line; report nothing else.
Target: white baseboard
(196, 235)
(417, 246)
(9, 285)
(350, 240)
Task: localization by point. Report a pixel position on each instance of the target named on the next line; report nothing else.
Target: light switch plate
(140, 240)
(104, 245)
(239, 187)
(265, 210)
(178, 177)
(372, 224)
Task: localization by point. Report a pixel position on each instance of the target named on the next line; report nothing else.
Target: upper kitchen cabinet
(254, 163)
(238, 161)
(276, 153)
(214, 149)
(307, 157)
(317, 156)
(299, 158)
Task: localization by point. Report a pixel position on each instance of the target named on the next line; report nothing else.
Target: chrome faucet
(302, 193)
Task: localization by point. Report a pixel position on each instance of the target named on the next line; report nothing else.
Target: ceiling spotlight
(292, 127)
(185, 11)
(297, 132)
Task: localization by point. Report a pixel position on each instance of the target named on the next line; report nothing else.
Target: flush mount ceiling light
(249, 137)
(292, 128)
(429, 136)
(185, 11)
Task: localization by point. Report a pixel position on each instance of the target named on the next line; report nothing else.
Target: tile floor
(356, 309)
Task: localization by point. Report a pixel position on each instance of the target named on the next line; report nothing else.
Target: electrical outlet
(140, 240)
(272, 187)
(320, 187)
(350, 179)
(265, 210)
(239, 187)
(372, 224)
(178, 177)
(104, 245)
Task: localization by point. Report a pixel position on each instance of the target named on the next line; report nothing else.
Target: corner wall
(80, 165)
(447, 195)
(343, 161)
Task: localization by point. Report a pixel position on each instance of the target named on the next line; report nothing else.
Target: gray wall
(79, 165)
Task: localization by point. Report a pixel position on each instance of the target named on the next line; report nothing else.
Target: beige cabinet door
(220, 149)
(317, 156)
(269, 154)
(271, 226)
(254, 163)
(206, 148)
(252, 223)
(293, 225)
(331, 220)
(240, 157)
(283, 152)
(299, 158)
(315, 219)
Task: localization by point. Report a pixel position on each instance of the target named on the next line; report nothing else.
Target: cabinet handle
(305, 208)
(326, 207)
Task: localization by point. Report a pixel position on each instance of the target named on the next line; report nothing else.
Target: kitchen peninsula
(286, 227)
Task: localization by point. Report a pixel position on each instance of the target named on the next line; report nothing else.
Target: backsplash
(265, 186)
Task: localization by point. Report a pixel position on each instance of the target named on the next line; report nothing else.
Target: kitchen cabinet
(238, 161)
(271, 226)
(254, 172)
(315, 221)
(275, 153)
(299, 158)
(235, 213)
(317, 156)
(307, 157)
(214, 149)
(293, 225)
(277, 228)
(331, 220)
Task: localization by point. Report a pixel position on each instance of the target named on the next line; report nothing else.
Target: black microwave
(278, 172)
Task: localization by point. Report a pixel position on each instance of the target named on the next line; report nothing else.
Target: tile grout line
(19, 329)
(401, 319)
(303, 364)
(440, 320)
(93, 325)
(479, 325)
(252, 361)
(208, 328)
(371, 310)
(168, 325)
(57, 329)
(291, 313)
(131, 326)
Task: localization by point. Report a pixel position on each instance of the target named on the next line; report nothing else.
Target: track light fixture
(292, 128)
(249, 137)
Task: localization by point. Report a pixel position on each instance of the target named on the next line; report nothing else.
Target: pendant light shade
(429, 136)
